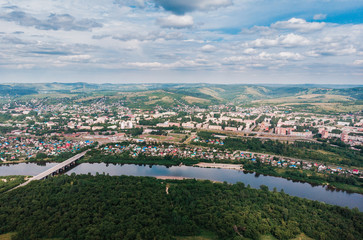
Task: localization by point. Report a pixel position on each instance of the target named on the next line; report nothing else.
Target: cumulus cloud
(53, 22)
(140, 34)
(298, 24)
(208, 48)
(289, 40)
(183, 6)
(293, 40)
(249, 51)
(150, 36)
(264, 59)
(180, 64)
(75, 58)
(175, 21)
(290, 56)
(146, 64)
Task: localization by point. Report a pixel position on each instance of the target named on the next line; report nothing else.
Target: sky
(182, 41)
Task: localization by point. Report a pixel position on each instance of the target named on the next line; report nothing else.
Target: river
(298, 189)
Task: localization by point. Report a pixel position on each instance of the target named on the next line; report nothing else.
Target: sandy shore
(183, 178)
(171, 177)
(219, 165)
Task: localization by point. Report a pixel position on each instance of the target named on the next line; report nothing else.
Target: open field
(47, 95)
(299, 237)
(328, 107)
(161, 138)
(192, 100)
(7, 236)
(9, 182)
(306, 98)
(212, 93)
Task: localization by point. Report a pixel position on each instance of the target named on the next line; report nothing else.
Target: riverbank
(171, 178)
(350, 184)
(9, 182)
(334, 182)
(219, 165)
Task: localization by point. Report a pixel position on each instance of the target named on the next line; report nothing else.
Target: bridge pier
(61, 167)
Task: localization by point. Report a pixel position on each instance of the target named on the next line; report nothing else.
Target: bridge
(63, 166)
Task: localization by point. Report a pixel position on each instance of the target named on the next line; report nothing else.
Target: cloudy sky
(216, 41)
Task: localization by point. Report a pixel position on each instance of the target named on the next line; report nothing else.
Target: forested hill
(17, 90)
(192, 93)
(105, 207)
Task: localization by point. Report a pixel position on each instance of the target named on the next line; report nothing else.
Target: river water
(298, 189)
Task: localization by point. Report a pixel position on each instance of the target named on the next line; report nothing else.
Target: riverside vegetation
(9, 182)
(105, 207)
(351, 183)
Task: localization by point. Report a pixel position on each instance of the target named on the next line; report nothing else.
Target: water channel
(304, 190)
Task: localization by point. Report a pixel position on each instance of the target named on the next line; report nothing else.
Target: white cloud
(133, 34)
(208, 48)
(175, 21)
(292, 40)
(289, 40)
(358, 62)
(264, 42)
(184, 63)
(298, 24)
(146, 64)
(75, 58)
(319, 16)
(250, 51)
(264, 58)
(290, 56)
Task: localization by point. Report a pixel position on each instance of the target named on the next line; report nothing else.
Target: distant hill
(194, 94)
(16, 90)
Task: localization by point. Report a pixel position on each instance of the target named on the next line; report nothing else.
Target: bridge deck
(54, 169)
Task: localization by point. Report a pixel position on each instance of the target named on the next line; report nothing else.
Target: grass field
(301, 236)
(9, 182)
(310, 98)
(192, 100)
(6, 236)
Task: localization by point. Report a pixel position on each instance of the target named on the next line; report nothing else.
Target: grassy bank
(9, 182)
(96, 156)
(349, 184)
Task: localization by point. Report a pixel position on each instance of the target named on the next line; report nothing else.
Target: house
(234, 129)
(50, 124)
(355, 171)
(188, 125)
(215, 127)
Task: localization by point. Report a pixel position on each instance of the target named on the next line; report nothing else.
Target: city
(181, 120)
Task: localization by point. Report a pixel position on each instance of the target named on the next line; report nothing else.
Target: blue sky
(215, 41)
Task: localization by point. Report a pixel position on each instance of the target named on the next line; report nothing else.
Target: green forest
(105, 207)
